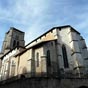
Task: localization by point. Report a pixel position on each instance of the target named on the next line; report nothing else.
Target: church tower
(13, 38)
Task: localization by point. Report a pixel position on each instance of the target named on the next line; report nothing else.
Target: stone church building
(59, 53)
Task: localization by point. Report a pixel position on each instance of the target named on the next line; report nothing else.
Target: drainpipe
(18, 65)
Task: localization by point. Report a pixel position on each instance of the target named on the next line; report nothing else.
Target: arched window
(37, 59)
(48, 58)
(65, 59)
(14, 43)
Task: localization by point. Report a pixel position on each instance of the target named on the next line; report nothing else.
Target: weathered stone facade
(13, 38)
(40, 82)
(59, 53)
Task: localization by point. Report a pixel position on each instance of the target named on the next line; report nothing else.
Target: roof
(10, 51)
(52, 30)
(13, 28)
(40, 43)
(60, 27)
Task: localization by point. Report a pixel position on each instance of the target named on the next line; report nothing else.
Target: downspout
(18, 65)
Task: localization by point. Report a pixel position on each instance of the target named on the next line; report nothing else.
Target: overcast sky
(34, 17)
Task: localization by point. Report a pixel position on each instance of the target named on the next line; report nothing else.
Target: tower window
(37, 58)
(14, 43)
(65, 59)
(17, 43)
(48, 58)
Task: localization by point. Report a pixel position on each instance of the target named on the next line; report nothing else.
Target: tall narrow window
(48, 58)
(14, 43)
(17, 43)
(13, 68)
(37, 59)
(65, 59)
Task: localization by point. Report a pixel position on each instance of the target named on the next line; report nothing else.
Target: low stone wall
(39, 82)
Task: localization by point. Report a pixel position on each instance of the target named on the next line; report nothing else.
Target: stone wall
(39, 82)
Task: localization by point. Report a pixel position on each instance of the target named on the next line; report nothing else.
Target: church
(59, 52)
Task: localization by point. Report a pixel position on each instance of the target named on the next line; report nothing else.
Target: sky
(35, 17)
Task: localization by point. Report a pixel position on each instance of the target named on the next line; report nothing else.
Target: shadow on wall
(83, 87)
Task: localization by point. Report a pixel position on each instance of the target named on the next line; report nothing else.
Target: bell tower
(13, 38)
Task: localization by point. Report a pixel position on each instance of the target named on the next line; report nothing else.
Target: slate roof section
(60, 28)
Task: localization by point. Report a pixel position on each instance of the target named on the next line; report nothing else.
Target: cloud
(24, 14)
(23, 11)
(37, 16)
